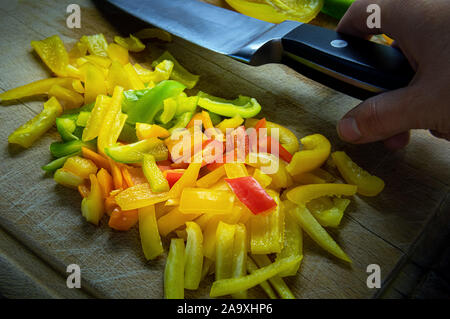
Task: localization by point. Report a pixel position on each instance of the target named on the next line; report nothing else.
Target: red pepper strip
(282, 152)
(262, 123)
(173, 176)
(251, 194)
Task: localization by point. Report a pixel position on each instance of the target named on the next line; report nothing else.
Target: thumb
(382, 116)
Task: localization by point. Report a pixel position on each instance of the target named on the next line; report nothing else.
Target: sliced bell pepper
(179, 73)
(53, 54)
(203, 200)
(134, 153)
(263, 179)
(92, 207)
(368, 185)
(328, 212)
(174, 270)
(123, 220)
(173, 175)
(118, 53)
(28, 133)
(80, 166)
(69, 98)
(224, 250)
(131, 43)
(99, 160)
(34, 88)
(235, 170)
(181, 121)
(84, 190)
(193, 257)
(211, 178)
(66, 127)
(59, 149)
(126, 176)
(316, 149)
(117, 175)
(188, 179)
(172, 220)
(148, 231)
(151, 33)
(67, 178)
(57, 163)
(266, 232)
(243, 106)
(148, 105)
(186, 104)
(100, 61)
(230, 123)
(78, 50)
(162, 72)
(233, 285)
(281, 178)
(277, 282)
(105, 182)
(83, 118)
(169, 110)
(251, 268)
(144, 131)
(95, 121)
(312, 227)
(139, 196)
(308, 178)
(239, 266)
(251, 194)
(96, 44)
(135, 81)
(305, 193)
(94, 82)
(158, 183)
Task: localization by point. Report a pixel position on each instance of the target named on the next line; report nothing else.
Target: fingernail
(348, 130)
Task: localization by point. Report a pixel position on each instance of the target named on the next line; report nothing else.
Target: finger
(398, 141)
(383, 116)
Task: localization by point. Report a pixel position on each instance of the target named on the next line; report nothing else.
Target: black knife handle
(351, 65)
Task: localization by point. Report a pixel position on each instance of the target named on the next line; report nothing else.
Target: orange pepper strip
(84, 190)
(196, 117)
(206, 120)
(110, 204)
(127, 176)
(123, 219)
(106, 182)
(116, 174)
(98, 160)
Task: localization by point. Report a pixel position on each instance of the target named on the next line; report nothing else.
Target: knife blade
(354, 66)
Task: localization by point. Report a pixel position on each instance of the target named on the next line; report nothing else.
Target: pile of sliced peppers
(121, 126)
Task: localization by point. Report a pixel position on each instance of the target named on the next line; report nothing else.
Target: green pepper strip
(58, 163)
(145, 109)
(179, 73)
(251, 268)
(66, 127)
(60, 149)
(133, 153)
(174, 270)
(244, 106)
(181, 121)
(233, 285)
(28, 133)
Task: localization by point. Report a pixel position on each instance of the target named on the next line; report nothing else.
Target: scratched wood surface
(43, 220)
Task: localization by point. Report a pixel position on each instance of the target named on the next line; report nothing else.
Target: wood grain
(45, 218)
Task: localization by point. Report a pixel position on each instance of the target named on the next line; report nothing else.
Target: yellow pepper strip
(170, 108)
(312, 227)
(308, 178)
(316, 149)
(172, 220)
(281, 179)
(34, 88)
(206, 120)
(133, 77)
(305, 193)
(251, 268)
(224, 250)
(73, 72)
(235, 170)
(179, 73)
(293, 239)
(148, 231)
(32, 130)
(70, 99)
(204, 200)
(100, 61)
(233, 285)
(80, 166)
(277, 282)
(78, 86)
(188, 179)
(95, 121)
(139, 196)
(158, 183)
(239, 268)
(263, 179)
(118, 53)
(67, 178)
(117, 77)
(221, 185)
(96, 44)
(194, 256)
(151, 33)
(328, 212)
(144, 74)
(78, 50)
(211, 178)
(231, 123)
(53, 54)
(111, 116)
(92, 206)
(287, 138)
(162, 72)
(174, 270)
(266, 232)
(368, 185)
(94, 82)
(323, 174)
(131, 43)
(145, 131)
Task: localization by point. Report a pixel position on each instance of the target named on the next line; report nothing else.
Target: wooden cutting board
(42, 230)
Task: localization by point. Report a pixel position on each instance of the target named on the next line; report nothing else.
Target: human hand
(421, 31)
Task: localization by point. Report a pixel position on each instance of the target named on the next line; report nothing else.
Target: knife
(351, 65)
